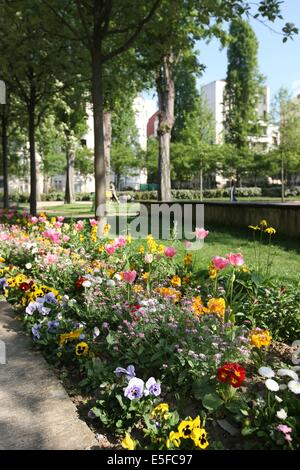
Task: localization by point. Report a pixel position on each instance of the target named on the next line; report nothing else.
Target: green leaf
(212, 401)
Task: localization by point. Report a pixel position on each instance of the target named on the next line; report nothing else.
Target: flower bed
(172, 357)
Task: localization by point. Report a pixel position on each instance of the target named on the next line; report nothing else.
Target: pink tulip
(42, 219)
(120, 241)
(201, 233)
(235, 259)
(129, 276)
(60, 218)
(93, 222)
(170, 251)
(110, 249)
(58, 224)
(34, 220)
(66, 238)
(219, 262)
(79, 225)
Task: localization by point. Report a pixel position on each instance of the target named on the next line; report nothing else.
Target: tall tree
(286, 115)
(242, 90)
(105, 29)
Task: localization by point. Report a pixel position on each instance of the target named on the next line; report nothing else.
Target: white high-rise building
(214, 94)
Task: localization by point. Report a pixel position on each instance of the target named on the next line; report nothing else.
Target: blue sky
(280, 63)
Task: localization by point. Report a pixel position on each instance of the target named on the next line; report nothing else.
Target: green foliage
(242, 85)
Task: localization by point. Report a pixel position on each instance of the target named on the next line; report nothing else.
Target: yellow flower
(212, 272)
(160, 410)
(128, 443)
(197, 305)
(64, 337)
(216, 306)
(260, 338)
(128, 239)
(2, 260)
(174, 294)
(185, 428)
(263, 223)
(110, 272)
(81, 238)
(137, 288)
(161, 249)
(199, 437)
(188, 259)
(141, 250)
(176, 281)
(174, 438)
(53, 220)
(270, 230)
(101, 248)
(106, 229)
(145, 276)
(254, 227)
(82, 349)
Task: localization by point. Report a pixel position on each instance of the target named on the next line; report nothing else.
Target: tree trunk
(99, 158)
(166, 97)
(282, 178)
(70, 171)
(31, 132)
(4, 157)
(201, 181)
(107, 131)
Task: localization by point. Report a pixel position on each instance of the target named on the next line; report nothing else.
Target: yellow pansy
(128, 443)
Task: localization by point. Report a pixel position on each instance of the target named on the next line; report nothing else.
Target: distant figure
(114, 196)
(233, 191)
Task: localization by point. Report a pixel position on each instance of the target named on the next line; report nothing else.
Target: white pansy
(110, 283)
(294, 386)
(28, 265)
(86, 284)
(287, 373)
(272, 385)
(281, 414)
(277, 398)
(118, 276)
(266, 372)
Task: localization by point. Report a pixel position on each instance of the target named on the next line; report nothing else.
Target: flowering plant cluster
(94, 303)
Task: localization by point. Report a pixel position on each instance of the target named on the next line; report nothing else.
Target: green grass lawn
(285, 253)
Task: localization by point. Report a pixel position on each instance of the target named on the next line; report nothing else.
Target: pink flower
(60, 218)
(58, 224)
(34, 220)
(120, 241)
(52, 235)
(42, 219)
(51, 259)
(148, 258)
(219, 262)
(235, 259)
(110, 249)
(129, 276)
(93, 222)
(66, 238)
(79, 225)
(170, 251)
(284, 428)
(201, 233)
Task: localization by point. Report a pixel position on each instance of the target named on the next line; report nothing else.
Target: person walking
(233, 191)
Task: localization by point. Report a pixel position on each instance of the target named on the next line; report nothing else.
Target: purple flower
(152, 387)
(129, 373)
(31, 308)
(2, 283)
(134, 389)
(52, 325)
(50, 298)
(35, 330)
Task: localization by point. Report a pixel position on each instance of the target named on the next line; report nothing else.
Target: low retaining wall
(285, 217)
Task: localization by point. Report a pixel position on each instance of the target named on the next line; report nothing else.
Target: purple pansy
(134, 389)
(50, 298)
(152, 387)
(129, 373)
(35, 330)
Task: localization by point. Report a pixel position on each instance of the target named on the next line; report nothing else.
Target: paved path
(35, 410)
